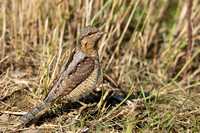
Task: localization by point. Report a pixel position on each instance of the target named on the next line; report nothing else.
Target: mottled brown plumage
(78, 76)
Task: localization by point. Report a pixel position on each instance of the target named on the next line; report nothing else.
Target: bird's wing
(67, 82)
(80, 73)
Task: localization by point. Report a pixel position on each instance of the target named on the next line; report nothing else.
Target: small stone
(31, 131)
(4, 118)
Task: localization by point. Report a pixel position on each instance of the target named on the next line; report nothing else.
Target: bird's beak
(98, 35)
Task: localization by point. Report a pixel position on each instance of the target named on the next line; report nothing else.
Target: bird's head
(88, 40)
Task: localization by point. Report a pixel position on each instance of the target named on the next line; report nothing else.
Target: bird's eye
(89, 34)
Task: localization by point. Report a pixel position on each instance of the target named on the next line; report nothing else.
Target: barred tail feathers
(34, 112)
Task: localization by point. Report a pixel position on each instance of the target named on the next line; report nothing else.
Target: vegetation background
(150, 57)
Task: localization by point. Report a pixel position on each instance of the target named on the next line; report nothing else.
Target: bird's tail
(35, 111)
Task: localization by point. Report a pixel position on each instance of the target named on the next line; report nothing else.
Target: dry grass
(144, 53)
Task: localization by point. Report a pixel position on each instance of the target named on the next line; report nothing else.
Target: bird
(77, 77)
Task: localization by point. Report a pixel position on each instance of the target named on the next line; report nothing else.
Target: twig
(189, 36)
(103, 100)
(111, 112)
(13, 113)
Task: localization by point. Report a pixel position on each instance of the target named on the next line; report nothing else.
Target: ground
(149, 57)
